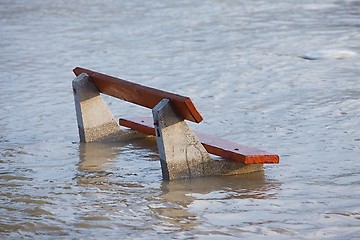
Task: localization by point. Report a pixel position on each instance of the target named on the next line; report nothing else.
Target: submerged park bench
(183, 153)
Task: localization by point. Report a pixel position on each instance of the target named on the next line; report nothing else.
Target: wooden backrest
(140, 95)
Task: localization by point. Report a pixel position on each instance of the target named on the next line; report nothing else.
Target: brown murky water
(281, 76)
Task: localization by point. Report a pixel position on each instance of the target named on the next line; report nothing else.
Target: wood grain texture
(141, 95)
(214, 145)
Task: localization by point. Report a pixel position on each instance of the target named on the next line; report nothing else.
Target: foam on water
(239, 61)
(329, 54)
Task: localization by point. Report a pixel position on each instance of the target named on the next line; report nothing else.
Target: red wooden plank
(144, 125)
(141, 95)
(214, 145)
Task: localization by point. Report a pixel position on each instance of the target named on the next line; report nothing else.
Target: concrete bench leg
(181, 153)
(95, 120)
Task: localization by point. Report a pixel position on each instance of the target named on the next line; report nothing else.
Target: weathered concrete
(181, 153)
(95, 120)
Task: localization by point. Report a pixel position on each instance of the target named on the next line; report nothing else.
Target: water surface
(280, 76)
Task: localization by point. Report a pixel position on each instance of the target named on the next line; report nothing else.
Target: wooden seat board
(214, 145)
(141, 95)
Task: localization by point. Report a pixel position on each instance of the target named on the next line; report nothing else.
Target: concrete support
(181, 153)
(95, 120)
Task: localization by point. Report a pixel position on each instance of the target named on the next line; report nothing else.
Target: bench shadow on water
(107, 166)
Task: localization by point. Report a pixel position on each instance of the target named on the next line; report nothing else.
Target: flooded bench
(183, 152)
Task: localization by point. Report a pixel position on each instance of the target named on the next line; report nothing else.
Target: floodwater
(282, 76)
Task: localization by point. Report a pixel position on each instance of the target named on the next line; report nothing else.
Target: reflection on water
(101, 161)
(170, 204)
(174, 206)
(95, 160)
(281, 76)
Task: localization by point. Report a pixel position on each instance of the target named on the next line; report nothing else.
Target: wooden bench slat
(214, 145)
(141, 95)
